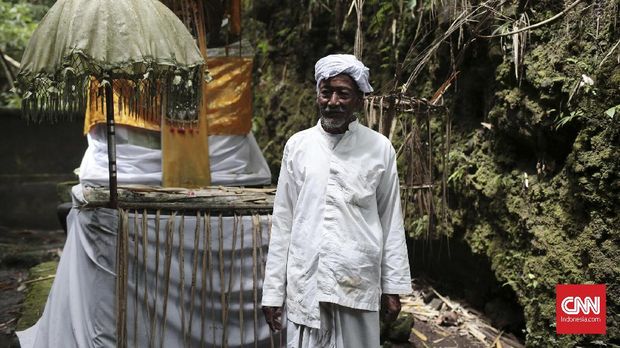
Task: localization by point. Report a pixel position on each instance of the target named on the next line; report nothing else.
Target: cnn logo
(580, 309)
(576, 305)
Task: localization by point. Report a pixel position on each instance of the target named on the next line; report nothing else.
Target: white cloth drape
(341, 327)
(81, 311)
(236, 160)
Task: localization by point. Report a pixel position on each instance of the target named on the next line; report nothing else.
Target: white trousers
(341, 327)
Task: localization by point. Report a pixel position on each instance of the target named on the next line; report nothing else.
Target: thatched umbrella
(139, 41)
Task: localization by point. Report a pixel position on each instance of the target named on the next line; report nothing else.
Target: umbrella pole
(109, 107)
(122, 237)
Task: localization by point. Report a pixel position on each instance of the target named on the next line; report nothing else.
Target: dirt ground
(430, 319)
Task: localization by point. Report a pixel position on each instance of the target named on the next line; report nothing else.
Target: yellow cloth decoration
(229, 95)
(185, 155)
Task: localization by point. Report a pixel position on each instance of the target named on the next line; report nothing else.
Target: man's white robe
(337, 234)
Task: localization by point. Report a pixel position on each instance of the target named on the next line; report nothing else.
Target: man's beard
(336, 123)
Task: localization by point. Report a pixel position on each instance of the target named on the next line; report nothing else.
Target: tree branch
(7, 70)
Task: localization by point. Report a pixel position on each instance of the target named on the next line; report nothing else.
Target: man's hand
(390, 307)
(273, 316)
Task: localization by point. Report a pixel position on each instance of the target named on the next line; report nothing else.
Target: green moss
(36, 296)
(562, 228)
(400, 330)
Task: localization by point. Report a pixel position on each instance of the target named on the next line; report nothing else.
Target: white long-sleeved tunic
(337, 234)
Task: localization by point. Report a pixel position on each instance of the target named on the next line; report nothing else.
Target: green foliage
(17, 22)
(18, 19)
(561, 122)
(418, 227)
(613, 111)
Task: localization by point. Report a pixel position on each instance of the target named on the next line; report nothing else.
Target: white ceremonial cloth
(337, 234)
(341, 327)
(235, 160)
(81, 310)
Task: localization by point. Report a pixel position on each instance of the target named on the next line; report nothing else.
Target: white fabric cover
(236, 160)
(80, 310)
(336, 64)
(337, 234)
(341, 327)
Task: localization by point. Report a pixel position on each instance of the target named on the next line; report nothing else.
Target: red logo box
(580, 309)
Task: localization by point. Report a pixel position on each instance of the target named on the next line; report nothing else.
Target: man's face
(338, 98)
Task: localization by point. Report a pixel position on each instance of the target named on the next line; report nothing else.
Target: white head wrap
(336, 64)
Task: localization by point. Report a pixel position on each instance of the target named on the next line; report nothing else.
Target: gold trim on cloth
(141, 116)
(228, 99)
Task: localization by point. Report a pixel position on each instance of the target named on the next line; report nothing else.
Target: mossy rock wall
(536, 189)
(545, 176)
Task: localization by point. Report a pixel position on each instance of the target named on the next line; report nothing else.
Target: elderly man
(337, 252)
